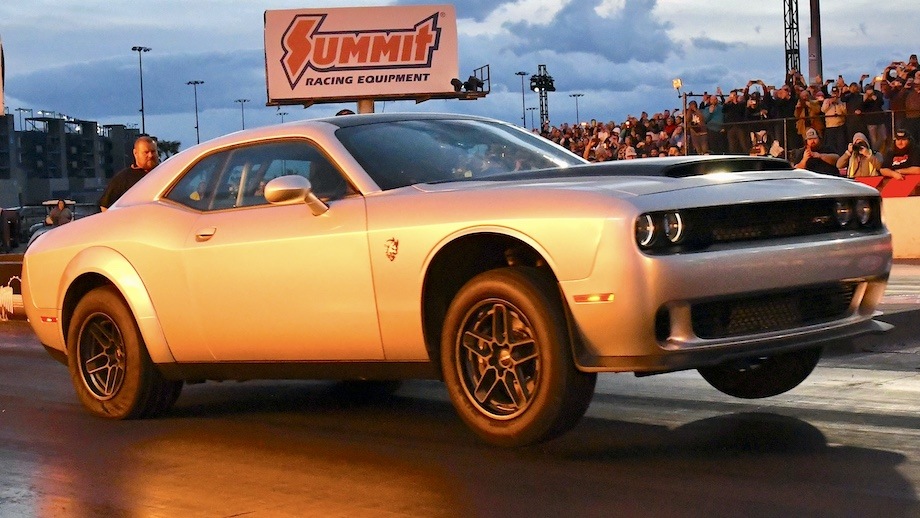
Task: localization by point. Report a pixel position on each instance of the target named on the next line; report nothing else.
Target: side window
(196, 188)
(237, 177)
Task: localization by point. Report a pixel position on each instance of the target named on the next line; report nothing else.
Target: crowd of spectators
(766, 119)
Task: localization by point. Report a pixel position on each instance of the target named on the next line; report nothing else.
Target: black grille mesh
(771, 312)
(707, 226)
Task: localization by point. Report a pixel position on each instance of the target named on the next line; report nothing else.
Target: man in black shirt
(146, 157)
(903, 158)
(814, 156)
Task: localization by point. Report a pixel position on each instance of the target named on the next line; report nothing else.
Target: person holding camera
(733, 120)
(852, 97)
(807, 115)
(873, 108)
(894, 87)
(835, 118)
(910, 95)
(859, 159)
(714, 120)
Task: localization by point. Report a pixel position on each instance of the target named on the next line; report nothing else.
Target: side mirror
(292, 189)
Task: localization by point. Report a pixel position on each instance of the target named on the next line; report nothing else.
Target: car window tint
(237, 177)
(196, 188)
(397, 154)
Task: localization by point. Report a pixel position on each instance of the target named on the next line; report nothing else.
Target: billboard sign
(344, 54)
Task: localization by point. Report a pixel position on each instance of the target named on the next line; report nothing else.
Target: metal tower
(793, 57)
(542, 83)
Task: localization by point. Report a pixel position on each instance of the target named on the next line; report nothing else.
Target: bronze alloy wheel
(101, 353)
(108, 360)
(506, 358)
(498, 359)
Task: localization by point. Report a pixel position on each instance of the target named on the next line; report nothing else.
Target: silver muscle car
(390, 246)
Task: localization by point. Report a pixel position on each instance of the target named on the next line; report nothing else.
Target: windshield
(400, 153)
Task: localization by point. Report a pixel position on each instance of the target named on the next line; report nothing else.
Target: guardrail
(891, 187)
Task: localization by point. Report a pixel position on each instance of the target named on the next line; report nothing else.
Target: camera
(859, 146)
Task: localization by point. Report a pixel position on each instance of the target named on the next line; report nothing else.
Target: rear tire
(109, 364)
(763, 377)
(507, 361)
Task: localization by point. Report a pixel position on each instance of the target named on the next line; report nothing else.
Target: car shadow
(760, 452)
(319, 445)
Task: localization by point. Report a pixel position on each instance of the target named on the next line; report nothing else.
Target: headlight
(863, 211)
(844, 212)
(673, 226)
(645, 230)
(661, 229)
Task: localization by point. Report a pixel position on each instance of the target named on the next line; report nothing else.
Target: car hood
(628, 185)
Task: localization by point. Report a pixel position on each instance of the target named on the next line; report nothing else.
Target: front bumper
(652, 323)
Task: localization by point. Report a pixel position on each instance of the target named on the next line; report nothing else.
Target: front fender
(113, 266)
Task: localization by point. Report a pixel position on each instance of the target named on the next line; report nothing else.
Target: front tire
(507, 361)
(763, 377)
(108, 361)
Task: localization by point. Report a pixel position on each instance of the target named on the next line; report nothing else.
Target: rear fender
(114, 267)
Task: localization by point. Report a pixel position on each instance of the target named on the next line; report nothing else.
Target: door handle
(205, 234)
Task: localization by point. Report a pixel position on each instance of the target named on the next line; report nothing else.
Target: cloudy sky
(74, 57)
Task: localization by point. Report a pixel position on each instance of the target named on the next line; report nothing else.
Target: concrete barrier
(902, 216)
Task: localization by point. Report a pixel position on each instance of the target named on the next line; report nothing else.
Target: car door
(277, 283)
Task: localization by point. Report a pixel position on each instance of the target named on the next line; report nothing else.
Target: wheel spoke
(515, 389)
(473, 342)
(113, 380)
(101, 336)
(96, 363)
(523, 352)
(500, 326)
(102, 355)
(486, 385)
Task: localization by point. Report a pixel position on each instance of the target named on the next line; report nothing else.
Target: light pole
(242, 113)
(282, 114)
(576, 96)
(523, 113)
(195, 84)
(531, 110)
(140, 66)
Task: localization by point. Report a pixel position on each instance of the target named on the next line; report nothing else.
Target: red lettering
(355, 47)
(297, 44)
(423, 42)
(407, 47)
(326, 53)
(305, 46)
(385, 45)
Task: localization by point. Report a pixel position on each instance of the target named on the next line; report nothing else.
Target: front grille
(771, 312)
(708, 226)
(767, 221)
